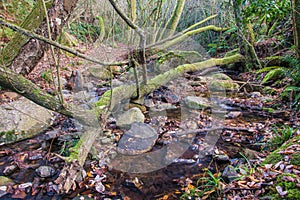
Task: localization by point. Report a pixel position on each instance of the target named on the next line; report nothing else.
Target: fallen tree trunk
(21, 85)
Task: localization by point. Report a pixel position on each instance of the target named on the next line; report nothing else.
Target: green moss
(268, 90)
(273, 158)
(269, 110)
(274, 75)
(295, 159)
(289, 186)
(104, 100)
(8, 136)
(224, 84)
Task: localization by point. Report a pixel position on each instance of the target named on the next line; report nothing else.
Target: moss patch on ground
(275, 157)
(288, 182)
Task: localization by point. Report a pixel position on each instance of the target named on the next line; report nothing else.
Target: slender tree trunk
(173, 22)
(296, 25)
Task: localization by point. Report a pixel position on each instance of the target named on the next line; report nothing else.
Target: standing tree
(296, 25)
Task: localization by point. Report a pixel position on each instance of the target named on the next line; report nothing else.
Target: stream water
(26, 156)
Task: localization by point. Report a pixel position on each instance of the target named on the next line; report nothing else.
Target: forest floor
(257, 155)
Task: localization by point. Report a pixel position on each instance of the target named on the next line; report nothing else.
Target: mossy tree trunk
(175, 17)
(246, 47)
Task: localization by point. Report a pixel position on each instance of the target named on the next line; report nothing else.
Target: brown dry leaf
(165, 197)
(19, 194)
(252, 178)
(268, 166)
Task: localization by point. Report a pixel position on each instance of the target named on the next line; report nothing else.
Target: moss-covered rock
(220, 85)
(22, 119)
(274, 75)
(194, 102)
(5, 181)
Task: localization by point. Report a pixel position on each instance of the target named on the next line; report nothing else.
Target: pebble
(45, 171)
(233, 114)
(222, 158)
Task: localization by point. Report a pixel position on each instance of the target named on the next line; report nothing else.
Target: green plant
(266, 14)
(282, 134)
(288, 182)
(47, 76)
(209, 187)
(246, 170)
(85, 31)
(66, 145)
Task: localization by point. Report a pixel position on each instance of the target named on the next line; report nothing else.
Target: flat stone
(130, 116)
(99, 72)
(22, 119)
(140, 138)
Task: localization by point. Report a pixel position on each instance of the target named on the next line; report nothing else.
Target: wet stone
(45, 171)
(222, 158)
(194, 102)
(139, 139)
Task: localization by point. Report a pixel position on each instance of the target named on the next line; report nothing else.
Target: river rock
(23, 117)
(194, 102)
(98, 72)
(223, 85)
(233, 114)
(221, 76)
(229, 174)
(45, 171)
(221, 158)
(130, 116)
(139, 139)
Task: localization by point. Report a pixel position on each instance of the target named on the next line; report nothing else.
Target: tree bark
(296, 25)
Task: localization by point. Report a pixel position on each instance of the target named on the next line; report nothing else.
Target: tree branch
(53, 43)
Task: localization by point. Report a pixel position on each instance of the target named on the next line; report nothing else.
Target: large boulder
(22, 119)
